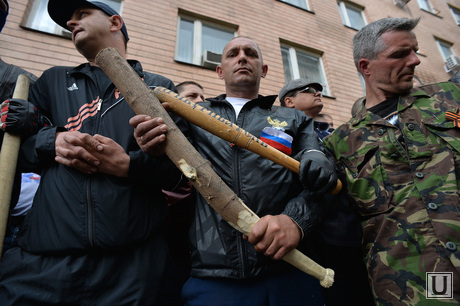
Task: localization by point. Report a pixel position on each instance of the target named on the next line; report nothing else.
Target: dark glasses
(311, 90)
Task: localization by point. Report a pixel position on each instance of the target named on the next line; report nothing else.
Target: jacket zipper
(88, 191)
(90, 213)
(236, 172)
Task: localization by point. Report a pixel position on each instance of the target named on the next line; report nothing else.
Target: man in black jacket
(25, 184)
(93, 235)
(227, 267)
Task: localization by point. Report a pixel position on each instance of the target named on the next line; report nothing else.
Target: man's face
(192, 92)
(90, 28)
(309, 103)
(392, 72)
(242, 64)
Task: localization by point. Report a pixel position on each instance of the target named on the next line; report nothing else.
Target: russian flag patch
(277, 139)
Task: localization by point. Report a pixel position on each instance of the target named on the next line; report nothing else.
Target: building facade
(183, 39)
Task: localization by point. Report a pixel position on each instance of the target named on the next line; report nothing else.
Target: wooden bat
(198, 170)
(8, 161)
(222, 128)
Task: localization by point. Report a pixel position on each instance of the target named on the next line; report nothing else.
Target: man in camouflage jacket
(401, 157)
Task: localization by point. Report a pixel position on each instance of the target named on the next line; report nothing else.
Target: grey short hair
(367, 43)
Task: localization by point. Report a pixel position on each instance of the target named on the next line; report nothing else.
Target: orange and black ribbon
(454, 116)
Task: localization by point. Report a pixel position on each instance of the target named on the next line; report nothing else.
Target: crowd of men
(100, 229)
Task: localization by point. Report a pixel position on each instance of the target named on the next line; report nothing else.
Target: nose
(414, 59)
(242, 56)
(71, 24)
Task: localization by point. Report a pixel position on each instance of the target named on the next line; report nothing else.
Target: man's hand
(317, 172)
(149, 133)
(113, 159)
(73, 150)
(275, 236)
(21, 117)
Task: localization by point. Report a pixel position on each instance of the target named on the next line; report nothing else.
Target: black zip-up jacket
(77, 212)
(218, 250)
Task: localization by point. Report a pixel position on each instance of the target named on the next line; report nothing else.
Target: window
(201, 42)
(38, 18)
(427, 6)
(456, 13)
(303, 64)
(352, 15)
(448, 55)
(299, 3)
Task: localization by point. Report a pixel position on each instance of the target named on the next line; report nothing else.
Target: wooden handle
(223, 128)
(198, 170)
(8, 161)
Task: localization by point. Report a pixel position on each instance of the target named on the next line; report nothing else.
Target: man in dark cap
(304, 95)
(93, 236)
(338, 236)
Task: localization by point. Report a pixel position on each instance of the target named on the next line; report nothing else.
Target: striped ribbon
(454, 116)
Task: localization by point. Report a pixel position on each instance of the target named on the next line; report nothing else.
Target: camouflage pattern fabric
(405, 182)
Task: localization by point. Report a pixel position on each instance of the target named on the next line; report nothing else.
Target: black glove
(21, 117)
(317, 172)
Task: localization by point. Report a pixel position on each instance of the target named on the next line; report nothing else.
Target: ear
(219, 72)
(117, 23)
(363, 66)
(289, 102)
(264, 71)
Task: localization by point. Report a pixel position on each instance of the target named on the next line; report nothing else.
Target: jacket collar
(405, 101)
(85, 68)
(261, 101)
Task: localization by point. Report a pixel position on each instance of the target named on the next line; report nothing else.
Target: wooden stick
(198, 170)
(8, 161)
(227, 130)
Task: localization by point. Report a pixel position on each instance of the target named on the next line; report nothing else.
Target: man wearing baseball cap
(94, 233)
(302, 94)
(305, 95)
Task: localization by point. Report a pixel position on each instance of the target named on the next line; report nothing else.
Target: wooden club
(8, 161)
(198, 170)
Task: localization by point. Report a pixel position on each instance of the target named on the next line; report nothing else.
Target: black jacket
(218, 250)
(8, 76)
(76, 212)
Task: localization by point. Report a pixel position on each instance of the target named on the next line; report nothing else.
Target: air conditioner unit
(452, 62)
(400, 3)
(211, 59)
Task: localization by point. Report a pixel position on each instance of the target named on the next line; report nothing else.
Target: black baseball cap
(61, 11)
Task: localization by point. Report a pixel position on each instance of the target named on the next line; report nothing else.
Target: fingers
(150, 133)
(275, 236)
(72, 149)
(113, 158)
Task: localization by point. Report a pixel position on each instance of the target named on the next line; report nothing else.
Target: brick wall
(152, 26)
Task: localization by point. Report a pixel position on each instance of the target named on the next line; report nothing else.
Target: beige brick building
(180, 38)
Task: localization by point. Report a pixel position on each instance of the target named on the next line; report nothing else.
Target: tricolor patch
(277, 139)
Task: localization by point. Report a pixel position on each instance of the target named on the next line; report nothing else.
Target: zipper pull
(99, 105)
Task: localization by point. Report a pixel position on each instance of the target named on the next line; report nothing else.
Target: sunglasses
(311, 90)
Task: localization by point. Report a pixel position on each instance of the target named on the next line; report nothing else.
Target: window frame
(306, 8)
(343, 6)
(37, 18)
(431, 9)
(198, 23)
(444, 45)
(455, 14)
(294, 66)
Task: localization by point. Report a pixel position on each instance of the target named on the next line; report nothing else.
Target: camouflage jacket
(405, 182)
